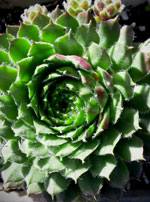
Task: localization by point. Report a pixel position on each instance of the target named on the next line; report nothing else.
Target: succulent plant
(74, 105)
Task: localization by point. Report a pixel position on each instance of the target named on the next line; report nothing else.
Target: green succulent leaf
(31, 32)
(7, 77)
(67, 45)
(103, 165)
(51, 32)
(68, 21)
(41, 20)
(119, 176)
(130, 117)
(89, 184)
(56, 184)
(4, 41)
(130, 149)
(74, 168)
(16, 51)
(12, 30)
(12, 175)
(109, 140)
(11, 152)
(6, 131)
(4, 57)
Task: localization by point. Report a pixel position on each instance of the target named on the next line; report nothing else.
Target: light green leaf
(41, 51)
(22, 130)
(141, 95)
(5, 130)
(85, 150)
(67, 45)
(89, 184)
(31, 32)
(51, 140)
(4, 57)
(34, 149)
(26, 69)
(11, 152)
(50, 164)
(116, 107)
(74, 168)
(4, 41)
(7, 77)
(123, 82)
(41, 20)
(108, 32)
(86, 34)
(98, 56)
(128, 122)
(103, 166)
(108, 141)
(130, 149)
(34, 188)
(41, 128)
(56, 184)
(34, 176)
(7, 107)
(51, 32)
(68, 21)
(16, 51)
(12, 175)
(19, 88)
(65, 149)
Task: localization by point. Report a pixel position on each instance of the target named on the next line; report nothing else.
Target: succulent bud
(106, 9)
(76, 6)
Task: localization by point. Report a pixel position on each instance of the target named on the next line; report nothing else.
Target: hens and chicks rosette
(74, 102)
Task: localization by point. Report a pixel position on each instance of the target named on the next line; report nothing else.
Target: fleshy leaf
(50, 164)
(74, 168)
(67, 45)
(11, 152)
(130, 149)
(89, 184)
(98, 56)
(119, 176)
(12, 29)
(12, 175)
(26, 69)
(85, 150)
(34, 176)
(123, 82)
(116, 107)
(51, 140)
(41, 51)
(4, 41)
(5, 130)
(4, 57)
(103, 166)
(22, 130)
(51, 32)
(129, 122)
(86, 34)
(7, 77)
(109, 139)
(141, 95)
(19, 88)
(41, 128)
(41, 20)
(65, 149)
(56, 184)
(33, 149)
(68, 21)
(16, 51)
(31, 32)
(108, 32)
(7, 107)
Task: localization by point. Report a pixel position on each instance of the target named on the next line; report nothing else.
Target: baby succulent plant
(74, 103)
